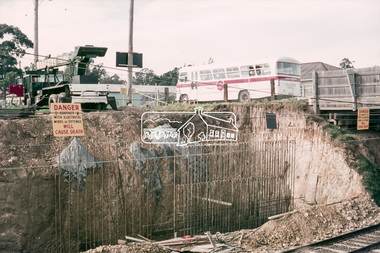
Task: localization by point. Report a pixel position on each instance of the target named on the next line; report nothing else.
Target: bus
(244, 81)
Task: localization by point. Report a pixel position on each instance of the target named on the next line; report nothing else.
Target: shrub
(371, 178)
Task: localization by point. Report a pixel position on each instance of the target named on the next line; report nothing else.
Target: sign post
(363, 119)
(67, 119)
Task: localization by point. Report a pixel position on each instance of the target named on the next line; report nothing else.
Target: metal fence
(105, 191)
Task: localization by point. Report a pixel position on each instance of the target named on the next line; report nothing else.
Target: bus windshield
(288, 68)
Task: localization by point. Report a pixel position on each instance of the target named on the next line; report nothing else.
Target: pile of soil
(316, 223)
(131, 247)
(308, 225)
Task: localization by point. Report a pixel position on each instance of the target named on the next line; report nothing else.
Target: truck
(45, 84)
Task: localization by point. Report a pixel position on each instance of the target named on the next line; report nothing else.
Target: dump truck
(45, 84)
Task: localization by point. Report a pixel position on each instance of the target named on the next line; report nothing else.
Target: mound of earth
(317, 223)
(131, 247)
(308, 225)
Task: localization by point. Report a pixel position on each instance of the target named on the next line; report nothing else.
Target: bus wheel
(184, 98)
(52, 99)
(244, 96)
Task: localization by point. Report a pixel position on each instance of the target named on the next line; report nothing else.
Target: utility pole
(130, 54)
(35, 31)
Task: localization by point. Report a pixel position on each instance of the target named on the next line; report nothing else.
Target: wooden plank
(274, 217)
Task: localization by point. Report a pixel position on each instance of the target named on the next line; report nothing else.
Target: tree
(114, 79)
(10, 50)
(346, 64)
(103, 77)
(98, 71)
(145, 77)
(169, 78)
(8, 79)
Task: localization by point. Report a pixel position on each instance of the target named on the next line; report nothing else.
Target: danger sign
(363, 119)
(67, 119)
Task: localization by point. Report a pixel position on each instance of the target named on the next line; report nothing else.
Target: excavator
(44, 83)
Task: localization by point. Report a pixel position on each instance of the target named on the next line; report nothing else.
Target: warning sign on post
(67, 119)
(363, 119)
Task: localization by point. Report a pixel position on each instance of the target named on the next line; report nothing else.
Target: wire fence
(96, 194)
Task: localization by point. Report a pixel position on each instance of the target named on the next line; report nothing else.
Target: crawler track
(363, 240)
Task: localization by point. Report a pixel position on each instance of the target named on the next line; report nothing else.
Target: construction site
(292, 184)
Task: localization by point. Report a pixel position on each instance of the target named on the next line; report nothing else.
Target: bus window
(262, 69)
(288, 68)
(233, 72)
(247, 71)
(205, 75)
(219, 74)
(183, 77)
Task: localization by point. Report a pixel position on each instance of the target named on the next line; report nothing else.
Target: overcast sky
(171, 33)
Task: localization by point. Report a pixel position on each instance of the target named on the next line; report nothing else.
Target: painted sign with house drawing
(183, 128)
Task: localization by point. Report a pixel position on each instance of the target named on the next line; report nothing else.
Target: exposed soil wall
(324, 172)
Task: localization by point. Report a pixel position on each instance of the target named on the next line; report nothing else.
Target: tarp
(74, 161)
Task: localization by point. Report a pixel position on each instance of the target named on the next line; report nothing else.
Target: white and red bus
(245, 81)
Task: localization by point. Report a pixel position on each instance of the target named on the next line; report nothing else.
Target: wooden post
(315, 93)
(130, 53)
(351, 82)
(272, 90)
(225, 93)
(166, 95)
(36, 4)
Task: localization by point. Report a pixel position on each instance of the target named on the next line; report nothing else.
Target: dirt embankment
(330, 197)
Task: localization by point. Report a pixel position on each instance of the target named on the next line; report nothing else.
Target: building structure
(307, 70)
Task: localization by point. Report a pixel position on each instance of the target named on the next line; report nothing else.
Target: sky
(174, 33)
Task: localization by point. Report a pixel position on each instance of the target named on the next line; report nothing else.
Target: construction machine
(45, 84)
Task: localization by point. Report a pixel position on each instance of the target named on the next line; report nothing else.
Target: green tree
(98, 71)
(114, 79)
(8, 79)
(148, 77)
(103, 77)
(346, 64)
(145, 77)
(169, 78)
(12, 46)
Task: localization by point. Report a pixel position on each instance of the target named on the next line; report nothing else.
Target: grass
(371, 178)
(294, 104)
(338, 133)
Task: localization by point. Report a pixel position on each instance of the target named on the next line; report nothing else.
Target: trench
(95, 196)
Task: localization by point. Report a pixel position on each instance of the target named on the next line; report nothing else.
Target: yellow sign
(67, 119)
(123, 90)
(363, 119)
